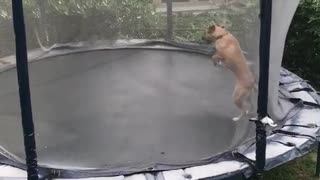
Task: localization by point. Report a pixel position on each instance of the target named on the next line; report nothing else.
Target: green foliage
(302, 50)
(240, 20)
(300, 169)
(103, 19)
(62, 21)
(138, 19)
(107, 19)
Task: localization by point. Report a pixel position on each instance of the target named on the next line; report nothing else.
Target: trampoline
(150, 109)
(139, 106)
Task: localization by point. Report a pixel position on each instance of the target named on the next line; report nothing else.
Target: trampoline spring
(294, 134)
(290, 144)
(304, 126)
(187, 176)
(301, 89)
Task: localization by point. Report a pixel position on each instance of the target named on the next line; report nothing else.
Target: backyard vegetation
(61, 21)
(86, 20)
(302, 57)
(302, 50)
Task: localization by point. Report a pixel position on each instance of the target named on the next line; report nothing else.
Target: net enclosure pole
(24, 90)
(169, 20)
(264, 59)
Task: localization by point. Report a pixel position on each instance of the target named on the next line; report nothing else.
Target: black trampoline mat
(124, 108)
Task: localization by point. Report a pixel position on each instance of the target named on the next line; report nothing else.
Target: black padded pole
(264, 55)
(169, 20)
(318, 162)
(24, 89)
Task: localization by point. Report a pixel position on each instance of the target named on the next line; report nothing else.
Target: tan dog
(229, 53)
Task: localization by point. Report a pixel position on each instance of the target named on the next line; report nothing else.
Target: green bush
(82, 20)
(240, 21)
(99, 19)
(302, 50)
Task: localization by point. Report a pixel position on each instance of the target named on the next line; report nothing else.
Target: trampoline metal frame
(25, 99)
(264, 59)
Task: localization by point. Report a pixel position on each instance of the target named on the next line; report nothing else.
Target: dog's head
(213, 33)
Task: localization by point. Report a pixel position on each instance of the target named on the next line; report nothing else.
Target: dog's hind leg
(250, 106)
(242, 100)
(238, 117)
(217, 60)
(238, 101)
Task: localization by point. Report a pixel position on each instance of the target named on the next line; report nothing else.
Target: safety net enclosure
(120, 87)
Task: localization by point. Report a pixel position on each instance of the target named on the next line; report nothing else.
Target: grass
(300, 169)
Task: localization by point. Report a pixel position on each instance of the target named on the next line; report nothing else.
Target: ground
(300, 169)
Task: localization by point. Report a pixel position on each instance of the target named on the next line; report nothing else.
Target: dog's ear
(212, 28)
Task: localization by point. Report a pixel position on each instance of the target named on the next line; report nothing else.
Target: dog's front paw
(220, 64)
(217, 63)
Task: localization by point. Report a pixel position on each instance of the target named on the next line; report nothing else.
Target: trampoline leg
(318, 161)
(260, 148)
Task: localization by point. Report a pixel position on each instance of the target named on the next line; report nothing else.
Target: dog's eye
(222, 26)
